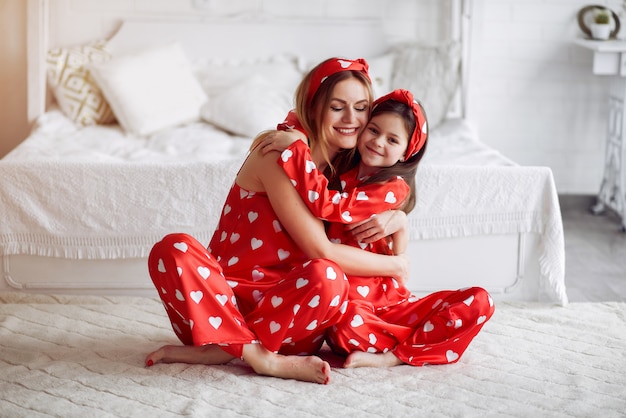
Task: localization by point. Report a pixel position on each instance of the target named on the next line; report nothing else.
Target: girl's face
(346, 115)
(384, 142)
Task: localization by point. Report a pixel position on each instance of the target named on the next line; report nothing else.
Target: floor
(595, 252)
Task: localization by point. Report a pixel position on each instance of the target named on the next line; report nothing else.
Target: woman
(384, 324)
(266, 287)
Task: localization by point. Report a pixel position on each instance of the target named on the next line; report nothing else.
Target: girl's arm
(382, 225)
(356, 204)
(308, 231)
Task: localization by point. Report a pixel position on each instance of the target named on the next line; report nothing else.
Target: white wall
(537, 99)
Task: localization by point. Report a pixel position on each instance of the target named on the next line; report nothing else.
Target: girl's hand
(280, 140)
(403, 274)
(379, 226)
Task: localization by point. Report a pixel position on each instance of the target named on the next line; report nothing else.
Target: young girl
(384, 324)
(267, 287)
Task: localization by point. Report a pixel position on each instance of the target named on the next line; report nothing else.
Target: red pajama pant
(262, 288)
(382, 315)
(435, 329)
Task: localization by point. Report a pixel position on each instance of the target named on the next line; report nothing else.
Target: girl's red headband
(332, 66)
(418, 139)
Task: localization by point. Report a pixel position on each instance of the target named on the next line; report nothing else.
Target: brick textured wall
(538, 100)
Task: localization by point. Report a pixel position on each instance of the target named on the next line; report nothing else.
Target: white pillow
(151, 89)
(75, 90)
(249, 107)
(431, 73)
(381, 71)
(217, 76)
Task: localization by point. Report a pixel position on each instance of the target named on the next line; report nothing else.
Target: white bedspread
(83, 356)
(56, 201)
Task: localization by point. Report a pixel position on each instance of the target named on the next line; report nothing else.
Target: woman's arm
(308, 231)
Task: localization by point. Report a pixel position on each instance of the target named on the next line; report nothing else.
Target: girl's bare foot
(305, 368)
(364, 359)
(204, 354)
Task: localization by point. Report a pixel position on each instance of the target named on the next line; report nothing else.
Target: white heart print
(276, 300)
(451, 356)
(274, 327)
(315, 301)
(181, 246)
(363, 290)
(161, 266)
(222, 299)
(428, 326)
(286, 155)
(362, 196)
(196, 295)
(390, 197)
(204, 272)
(344, 64)
(357, 321)
(309, 166)
(300, 283)
(283, 254)
(215, 321)
(252, 216)
(256, 243)
(313, 196)
(346, 216)
(331, 274)
(257, 275)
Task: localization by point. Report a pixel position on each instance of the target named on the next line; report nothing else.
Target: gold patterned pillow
(75, 90)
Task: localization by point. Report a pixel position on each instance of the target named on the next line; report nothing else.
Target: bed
(83, 202)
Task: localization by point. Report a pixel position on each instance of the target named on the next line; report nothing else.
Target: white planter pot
(600, 31)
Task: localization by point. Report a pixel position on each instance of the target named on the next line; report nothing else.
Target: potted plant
(601, 26)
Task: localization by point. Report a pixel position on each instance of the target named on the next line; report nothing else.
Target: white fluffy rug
(83, 356)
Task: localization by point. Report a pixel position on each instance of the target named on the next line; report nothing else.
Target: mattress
(83, 356)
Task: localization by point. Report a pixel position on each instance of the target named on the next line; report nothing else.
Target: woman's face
(346, 114)
(383, 142)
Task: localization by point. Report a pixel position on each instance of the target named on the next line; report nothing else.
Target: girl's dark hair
(405, 169)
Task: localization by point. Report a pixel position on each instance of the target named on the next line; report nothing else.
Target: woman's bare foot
(204, 354)
(363, 359)
(305, 368)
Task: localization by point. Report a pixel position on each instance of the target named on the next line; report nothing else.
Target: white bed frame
(506, 265)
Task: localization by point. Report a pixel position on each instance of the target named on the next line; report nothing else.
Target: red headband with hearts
(332, 66)
(418, 139)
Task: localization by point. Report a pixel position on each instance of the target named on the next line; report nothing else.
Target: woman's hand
(379, 226)
(280, 140)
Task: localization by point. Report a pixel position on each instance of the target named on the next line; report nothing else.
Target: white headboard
(237, 36)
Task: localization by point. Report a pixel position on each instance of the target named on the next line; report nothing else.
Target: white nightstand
(609, 58)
